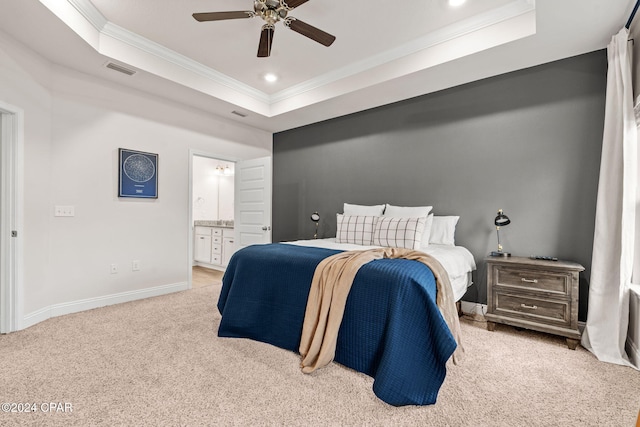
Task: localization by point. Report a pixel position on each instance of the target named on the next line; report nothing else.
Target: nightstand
(534, 294)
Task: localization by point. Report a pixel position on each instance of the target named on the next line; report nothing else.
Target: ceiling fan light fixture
(456, 3)
(271, 12)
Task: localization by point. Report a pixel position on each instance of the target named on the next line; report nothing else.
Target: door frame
(11, 217)
(199, 153)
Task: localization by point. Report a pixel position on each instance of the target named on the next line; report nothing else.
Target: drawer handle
(530, 280)
(531, 307)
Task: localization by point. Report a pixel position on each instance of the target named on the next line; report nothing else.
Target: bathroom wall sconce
(224, 170)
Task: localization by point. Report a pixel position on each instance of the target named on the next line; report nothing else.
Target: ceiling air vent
(238, 113)
(120, 68)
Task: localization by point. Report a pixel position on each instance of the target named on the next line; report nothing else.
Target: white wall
(212, 192)
(74, 125)
(25, 80)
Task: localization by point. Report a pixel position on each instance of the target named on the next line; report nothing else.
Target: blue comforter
(392, 329)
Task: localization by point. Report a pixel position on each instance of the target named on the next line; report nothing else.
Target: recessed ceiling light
(456, 3)
(270, 77)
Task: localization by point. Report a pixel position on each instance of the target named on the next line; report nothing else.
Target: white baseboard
(633, 352)
(209, 266)
(474, 309)
(97, 302)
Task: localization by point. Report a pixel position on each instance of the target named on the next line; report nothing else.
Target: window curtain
(614, 239)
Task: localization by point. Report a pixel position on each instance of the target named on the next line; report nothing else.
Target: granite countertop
(214, 223)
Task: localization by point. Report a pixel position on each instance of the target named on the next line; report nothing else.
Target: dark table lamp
(315, 217)
(500, 221)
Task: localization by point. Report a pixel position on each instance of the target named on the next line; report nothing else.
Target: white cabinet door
(227, 249)
(202, 250)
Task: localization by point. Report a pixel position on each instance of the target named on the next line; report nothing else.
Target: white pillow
(355, 229)
(375, 210)
(396, 232)
(443, 230)
(407, 211)
(426, 235)
(411, 212)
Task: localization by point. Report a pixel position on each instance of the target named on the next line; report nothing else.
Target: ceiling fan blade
(266, 38)
(220, 16)
(292, 4)
(310, 31)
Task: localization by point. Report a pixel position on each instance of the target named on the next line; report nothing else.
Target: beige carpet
(158, 362)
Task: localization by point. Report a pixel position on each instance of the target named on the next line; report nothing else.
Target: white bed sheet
(457, 260)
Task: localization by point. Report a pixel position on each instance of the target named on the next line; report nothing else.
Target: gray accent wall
(527, 142)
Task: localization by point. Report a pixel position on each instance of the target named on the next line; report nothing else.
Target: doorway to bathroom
(212, 198)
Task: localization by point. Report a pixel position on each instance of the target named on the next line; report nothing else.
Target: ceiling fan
(272, 11)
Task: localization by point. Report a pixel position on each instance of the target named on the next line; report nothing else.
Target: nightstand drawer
(558, 283)
(554, 312)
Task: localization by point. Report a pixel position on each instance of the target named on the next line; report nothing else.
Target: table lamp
(315, 217)
(500, 221)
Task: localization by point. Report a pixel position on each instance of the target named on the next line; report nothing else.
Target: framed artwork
(138, 174)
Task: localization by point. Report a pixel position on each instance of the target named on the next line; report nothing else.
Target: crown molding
(105, 28)
(148, 46)
(109, 29)
(459, 29)
(90, 13)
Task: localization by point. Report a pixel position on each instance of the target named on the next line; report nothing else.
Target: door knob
(265, 228)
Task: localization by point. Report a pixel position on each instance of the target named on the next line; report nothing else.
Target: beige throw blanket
(330, 287)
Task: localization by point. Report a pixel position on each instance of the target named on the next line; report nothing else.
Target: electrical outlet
(135, 265)
(64, 211)
(114, 268)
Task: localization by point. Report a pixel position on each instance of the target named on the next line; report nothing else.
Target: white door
(252, 202)
(11, 190)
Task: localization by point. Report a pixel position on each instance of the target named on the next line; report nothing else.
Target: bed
(457, 260)
(392, 329)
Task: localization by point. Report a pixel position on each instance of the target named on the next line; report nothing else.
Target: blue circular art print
(139, 168)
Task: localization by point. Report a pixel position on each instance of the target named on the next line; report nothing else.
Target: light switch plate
(64, 211)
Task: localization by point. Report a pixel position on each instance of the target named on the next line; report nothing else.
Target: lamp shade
(501, 219)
